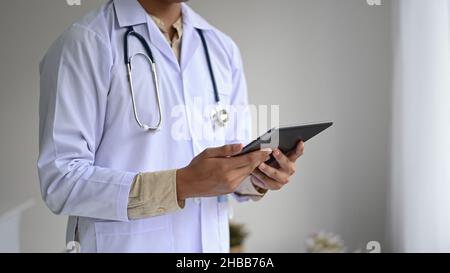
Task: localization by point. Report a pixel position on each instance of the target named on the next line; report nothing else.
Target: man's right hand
(216, 172)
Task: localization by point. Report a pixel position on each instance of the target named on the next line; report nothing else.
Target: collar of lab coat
(131, 13)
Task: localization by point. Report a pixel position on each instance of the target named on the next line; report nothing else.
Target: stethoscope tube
(219, 115)
(129, 62)
(131, 32)
(208, 60)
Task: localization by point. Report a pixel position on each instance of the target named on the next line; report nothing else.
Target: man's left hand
(276, 175)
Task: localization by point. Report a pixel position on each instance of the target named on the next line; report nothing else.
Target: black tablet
(286, 138)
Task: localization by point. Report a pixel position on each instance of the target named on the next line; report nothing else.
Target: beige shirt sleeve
(153, 194)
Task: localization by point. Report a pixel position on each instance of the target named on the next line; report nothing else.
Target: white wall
(317, 59)
(420, 188)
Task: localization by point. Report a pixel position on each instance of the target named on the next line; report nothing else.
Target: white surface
(420, 219)
(10, 228)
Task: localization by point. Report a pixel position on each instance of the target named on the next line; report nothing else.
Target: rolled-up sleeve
(75, 79)
(154, 194)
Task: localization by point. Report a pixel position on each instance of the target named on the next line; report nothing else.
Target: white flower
(324, 242)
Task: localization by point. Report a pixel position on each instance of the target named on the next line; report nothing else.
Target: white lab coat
(91, 147)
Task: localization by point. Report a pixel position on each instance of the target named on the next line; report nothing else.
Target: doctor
(127, 155)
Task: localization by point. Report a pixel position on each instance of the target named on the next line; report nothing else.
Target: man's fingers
(258, 182)
(244, 165)
(274, 174)
(284, 162)
(250, 160)
(224, 151)
(236, 176)
(298, 152)
(266, 182)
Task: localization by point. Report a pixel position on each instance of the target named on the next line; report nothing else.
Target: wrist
(182, 182)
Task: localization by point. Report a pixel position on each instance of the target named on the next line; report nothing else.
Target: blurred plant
(324, 242)
(238, 234)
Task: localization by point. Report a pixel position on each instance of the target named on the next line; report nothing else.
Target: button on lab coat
(91, 147)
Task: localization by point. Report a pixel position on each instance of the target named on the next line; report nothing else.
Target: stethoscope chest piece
(220, 117)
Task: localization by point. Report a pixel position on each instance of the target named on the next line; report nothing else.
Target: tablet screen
(286, 138)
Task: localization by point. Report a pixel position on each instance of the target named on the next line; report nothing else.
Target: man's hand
(277, 175)
(215, 172)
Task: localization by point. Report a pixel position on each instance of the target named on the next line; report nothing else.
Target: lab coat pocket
(151, 235)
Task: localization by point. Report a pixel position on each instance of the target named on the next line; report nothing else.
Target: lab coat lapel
(159, 41)
(190, 44)
(191, 40)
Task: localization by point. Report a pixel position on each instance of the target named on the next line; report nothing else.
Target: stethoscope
(219, 115)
